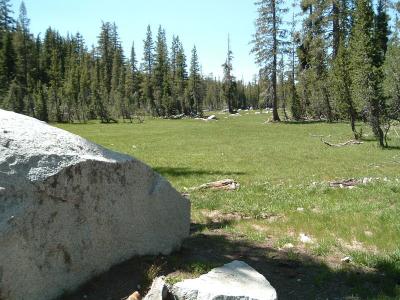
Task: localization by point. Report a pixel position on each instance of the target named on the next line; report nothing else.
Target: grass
(283, 170)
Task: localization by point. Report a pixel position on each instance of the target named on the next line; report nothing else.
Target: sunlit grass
(283, 170)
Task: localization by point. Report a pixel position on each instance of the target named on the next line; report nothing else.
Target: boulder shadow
(294, 275)
(183, 171)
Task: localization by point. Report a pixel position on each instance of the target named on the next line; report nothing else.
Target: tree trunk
(275, 114)
(352, 115)
(329, 116)
(335, 28)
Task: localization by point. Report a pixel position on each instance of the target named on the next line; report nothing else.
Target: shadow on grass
(291, 122)
(167, 171)
(294, 275)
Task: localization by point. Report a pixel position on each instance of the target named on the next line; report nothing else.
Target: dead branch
(345, 183)
(351, 142)
(319, 136)
(226, 184)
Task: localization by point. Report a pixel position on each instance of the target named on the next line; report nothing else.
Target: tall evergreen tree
(194, 86)
(7, 63)
(315, 58)
(268, 42)
(341, 86)
(366, 90)
(161, 74)
(381, 32)
(392, 73)
(24, 47)
(229, 81)
(147, 69)
(295, 106)
(41, 109)
(7, 22)
(180, 78)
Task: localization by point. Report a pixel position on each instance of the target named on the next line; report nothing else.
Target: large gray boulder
(233, 281)
(70, 209)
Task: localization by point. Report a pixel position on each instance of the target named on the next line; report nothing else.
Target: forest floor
(285, 220)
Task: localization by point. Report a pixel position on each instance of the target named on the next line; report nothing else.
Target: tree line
(56, 78)
(335, 60)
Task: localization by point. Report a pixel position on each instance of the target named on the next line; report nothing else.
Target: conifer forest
(319, 60)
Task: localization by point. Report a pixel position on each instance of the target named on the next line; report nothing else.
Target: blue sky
(205, 23)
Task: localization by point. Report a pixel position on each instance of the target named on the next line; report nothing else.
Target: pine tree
(56, 109)
(147, 69)
(392, 73)
(161, 74)
(41, 109)
(381, 33)
(131, 94)
(24, 46)
(295, 106)
(86, 109)
(106, 55)
(7, 22)
(282, 85)
(71, 87)
(15, 98)
(181, 78)
(341, 86)
(314, 58)
(7, 63)
(366, 90)
(268, 42)
(229, 81)
(194, 86)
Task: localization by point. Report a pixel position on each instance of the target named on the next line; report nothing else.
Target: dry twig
(351, 142)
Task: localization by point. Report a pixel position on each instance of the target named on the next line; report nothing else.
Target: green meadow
(284, 171)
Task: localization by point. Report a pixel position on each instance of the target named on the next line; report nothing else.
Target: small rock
(135, 296)
(288, 246)
(158, 290)
(305, 239)
(366, 180)
(212, 117)
(368, 233)
(300, 209)
(233, 281)
(346, 259)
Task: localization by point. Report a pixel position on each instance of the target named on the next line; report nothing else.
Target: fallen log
(225, 184)
(348, 143)
(347, 183)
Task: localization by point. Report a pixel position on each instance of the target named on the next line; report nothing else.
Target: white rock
(158, 290)
(233, 281)
(305, 239)
(134, 296)
(71, 209)
(366, 180)
(346, 259)
(212, 117)
(288, 246)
